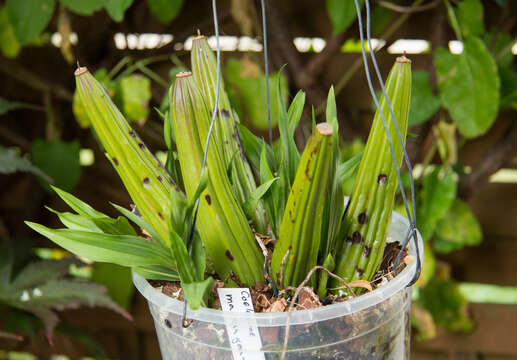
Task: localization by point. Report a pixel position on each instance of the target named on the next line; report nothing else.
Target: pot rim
(398, 225)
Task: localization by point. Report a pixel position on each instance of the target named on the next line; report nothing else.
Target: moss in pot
(268, 217)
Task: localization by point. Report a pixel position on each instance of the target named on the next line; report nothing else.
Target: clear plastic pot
(375, 325)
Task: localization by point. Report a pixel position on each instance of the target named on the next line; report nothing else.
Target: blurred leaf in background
(457, 228)
(133, 94)
(443, 299)
(58, 159)
(117, 8)
(469, 86)
(381, 17)
(470, 17)
(11, 162)
(436, 197)
(29, 17)
(41, 287)
(165, 10)
(83, 7)
(117, 279)
(341, 13)
(424, 103)
(8, 42)
(246, 79)
(422, 321)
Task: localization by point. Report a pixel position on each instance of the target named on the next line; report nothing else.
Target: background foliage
(459, 101)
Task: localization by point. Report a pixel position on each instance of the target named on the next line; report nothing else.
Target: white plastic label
(243, 332)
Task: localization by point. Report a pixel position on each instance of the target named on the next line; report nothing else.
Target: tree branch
(494, 159)
(319, 61)
(408, 9)
(281, 41)
(19, 73)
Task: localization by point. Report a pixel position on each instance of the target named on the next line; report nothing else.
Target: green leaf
(184, 264)
(8, 43)
(443, 299)
(201, 186)
(196, 291)
(294, 114)
(381, 17)
(140, 222)
(62, 294)
(165, 10)
(77, 205)
(437, 195)
(156, 272)
(331, 111)
(199, 255)
(76, 222)
(348, 169)
(458, 228)
(83, 7)
(172, 165)
(117, 280)
(40, 287)
(117, 8)
(250, 205)
(118, 226)
(41, 271)
(11, 162)
(424, 104)
(470, 17)
(453, 19)
(58, 159)
(123, 250)
(288, 156)
(500, 45)
(185, 217)
(195, 287)
(469, 86)
(252, 146)
(79, 112)
(249, 82)
(135, 93)
(342, 13)
(107, 225)
(272, 199)
(29, 17)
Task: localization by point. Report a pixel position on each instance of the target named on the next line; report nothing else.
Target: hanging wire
(215, 112)
(411, 217)
(266, 69)
(270, 128)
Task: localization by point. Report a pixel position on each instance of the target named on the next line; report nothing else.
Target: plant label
(243, 332)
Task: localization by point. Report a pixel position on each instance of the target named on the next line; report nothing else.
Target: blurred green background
(463, 146)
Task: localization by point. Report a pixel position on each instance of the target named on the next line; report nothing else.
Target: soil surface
(264, 299)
